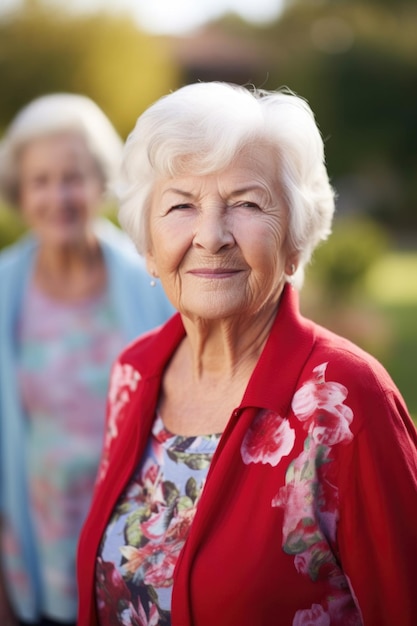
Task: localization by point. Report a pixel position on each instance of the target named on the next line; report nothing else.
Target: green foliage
(11, 226)
(341, 263)
(103, 56)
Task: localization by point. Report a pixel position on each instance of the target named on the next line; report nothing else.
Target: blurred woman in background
(73, 292)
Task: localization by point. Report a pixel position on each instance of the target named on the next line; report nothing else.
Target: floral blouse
(142, 542)
(65, 352)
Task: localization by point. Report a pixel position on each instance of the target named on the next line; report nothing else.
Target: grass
(392, 286)
(393, 280)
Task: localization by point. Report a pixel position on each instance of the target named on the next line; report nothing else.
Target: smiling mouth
(214, 273)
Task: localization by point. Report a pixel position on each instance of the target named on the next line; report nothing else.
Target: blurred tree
(103, 56)
(336, 292)
(340, 264)
(356, 64)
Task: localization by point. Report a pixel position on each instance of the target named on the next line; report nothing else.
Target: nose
(214, 230)
(61, 193)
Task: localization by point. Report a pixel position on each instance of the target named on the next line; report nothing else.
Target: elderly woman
(257, 468)
(73, 294)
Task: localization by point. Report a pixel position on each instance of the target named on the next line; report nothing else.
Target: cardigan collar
(287, 348)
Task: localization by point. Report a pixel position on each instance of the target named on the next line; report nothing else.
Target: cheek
(268, 266)
(169, 247)
(31, 203)
(262, 246)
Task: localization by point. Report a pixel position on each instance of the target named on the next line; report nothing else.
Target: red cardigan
(309, 513)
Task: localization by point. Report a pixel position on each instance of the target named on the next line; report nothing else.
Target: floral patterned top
(65, 354)
(142, 542)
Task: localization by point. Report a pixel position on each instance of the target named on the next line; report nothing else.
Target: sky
(171, 16)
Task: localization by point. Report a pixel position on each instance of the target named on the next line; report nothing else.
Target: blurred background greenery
(356, 64)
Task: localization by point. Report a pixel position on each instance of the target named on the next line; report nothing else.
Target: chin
(213, 314)
(67, 236)
(212, 307)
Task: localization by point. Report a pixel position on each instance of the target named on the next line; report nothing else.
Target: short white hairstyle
(54, 114)
(207, 125)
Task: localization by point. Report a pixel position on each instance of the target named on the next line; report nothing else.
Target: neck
(70, 272)
(65, 259)
(229, 348)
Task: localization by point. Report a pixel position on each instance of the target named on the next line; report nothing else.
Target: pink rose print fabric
(320, 406)
(123, 382)
(268, 439)
(310, 500)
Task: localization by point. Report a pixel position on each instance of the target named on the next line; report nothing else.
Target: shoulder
(140, 347)
(149, 353)
(348, 361)
(310, 345)
(139, 306)
(16, 253)
(341, 373)
(345, 396)
(15, 263)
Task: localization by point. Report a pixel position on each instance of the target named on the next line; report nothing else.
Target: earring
(291, 274)
(153, 281)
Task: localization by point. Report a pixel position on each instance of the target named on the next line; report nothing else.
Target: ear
(291, 264)
(150, 264)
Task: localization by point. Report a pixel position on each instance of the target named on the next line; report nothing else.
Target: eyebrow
(243, 190)
(179, 192)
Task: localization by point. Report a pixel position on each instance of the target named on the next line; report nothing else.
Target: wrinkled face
(59, 188)
(218, 241)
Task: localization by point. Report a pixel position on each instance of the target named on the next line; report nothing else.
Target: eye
(249, 205)
(36, 182)
(180, 207)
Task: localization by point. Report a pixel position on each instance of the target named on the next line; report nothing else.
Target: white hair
(207, 124)
(53, 114)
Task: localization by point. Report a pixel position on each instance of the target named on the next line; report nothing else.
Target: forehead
(253, 160)
(252, 164)
(50, 148)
